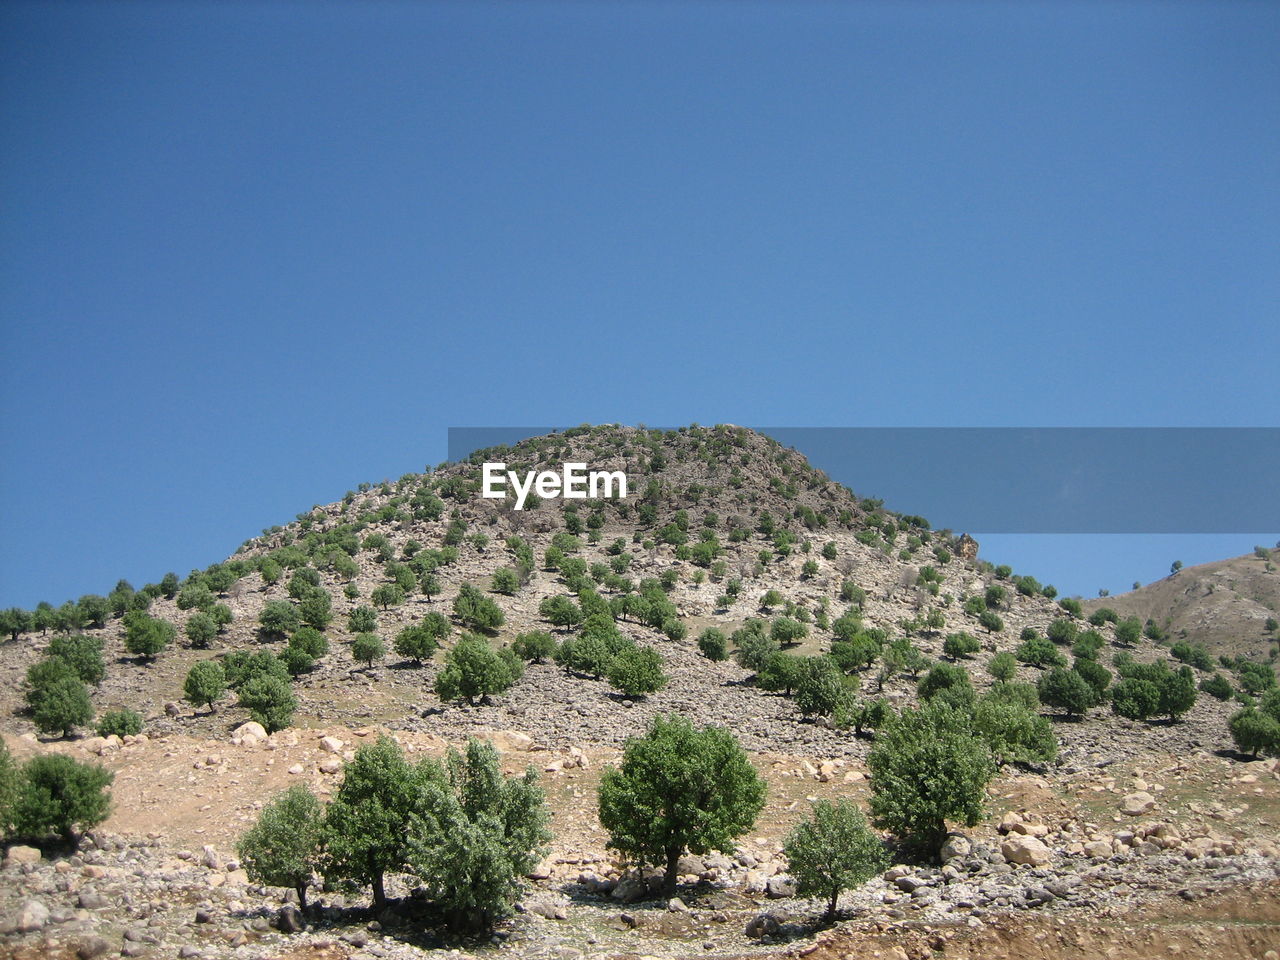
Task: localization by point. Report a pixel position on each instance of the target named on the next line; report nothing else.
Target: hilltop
(1227, 606)
(722, 527)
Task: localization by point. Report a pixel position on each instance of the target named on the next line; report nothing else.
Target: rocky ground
(1104, 840)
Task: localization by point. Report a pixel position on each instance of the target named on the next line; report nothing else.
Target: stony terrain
(1133, 820)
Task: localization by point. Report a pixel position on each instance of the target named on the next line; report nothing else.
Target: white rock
(1020, 848)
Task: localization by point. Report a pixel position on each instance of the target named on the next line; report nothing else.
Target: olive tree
(833, 851)
(679, 789)
(282, 849)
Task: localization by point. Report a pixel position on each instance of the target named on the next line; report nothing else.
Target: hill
(1228, 606)
(722, 529)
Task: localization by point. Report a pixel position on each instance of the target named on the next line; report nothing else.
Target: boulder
(956, 845)
(331, 745)
(1136, 804)
(1020, 848)
(32, 915)
(250, 729)
(289, 919)
(780, 887)
(761, 925)
(21, 854)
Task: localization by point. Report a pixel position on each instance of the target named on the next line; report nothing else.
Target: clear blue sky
(253, 254)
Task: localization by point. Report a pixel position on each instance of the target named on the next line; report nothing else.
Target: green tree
(506, 580)
(473, 669)
(636, 671)
(58, 699)
(713, 644)
(679, 789)
(310, 641)
(1003, 666)
(958, 645)
(535, 646)
(1135, 698)
(833, 851)
(387, 595)
(10, 786)
(1217, 686)
(1254, 732)
(362, 620)
(418, 642)
(119, 723)
(315, 609)
(82, 654)
(787, 631)
(146, 636)
(201, 629)
(60, 796)
(366, 824)
(269, 700)
(206, 682)
(1039, 652)
(952, 679)
(1066, 690)
(473, 609)
(781, 672)
(1013, 732)
(927, 767)
(1094, 674)
(1128, 631)
(991, 621)
(560, 611)
(15, 622)
(1062, 631)
(368, 647)
(282, 849)
(278, 619)
(474, 834)
(821, 689)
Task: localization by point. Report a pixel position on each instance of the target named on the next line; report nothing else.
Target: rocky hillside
(1228, 606)
(722, 527)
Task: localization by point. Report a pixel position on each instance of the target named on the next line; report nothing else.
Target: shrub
(1039, 652)
(959, 645)
(927, 768)
(201, 629)
(241, 666)
(1013, 732)
(506, 580)
(473, 609)
(1094, 674)
(1217, 686)
(58, 699)
(1135, 698)
(82, 654)
(1066, 690)
(945, 677)
(282, 849)
(637, 671)
(120, 723)
(60, 796)
(863, 715)
(713, 644)
(10, 785)
(362, 620)
(754, 647)
(387, 595)
(296, 661)
(820, 688)
(679, 789)
(368, 647)
(205, 683)
(146, 636)
(1023, 694)
(474, 834)
(1003, 666)
(1088, 644)
(473, 669)
(310, 641)
(1254, 732)
(269, 700)
(833, 851)
(278, 619)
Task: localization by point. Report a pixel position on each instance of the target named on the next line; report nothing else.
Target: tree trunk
(379, 894)
(831, 907)
(673, 865)
(302, 896)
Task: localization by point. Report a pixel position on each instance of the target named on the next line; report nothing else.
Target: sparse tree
(58, 699)
(205, 683)
(269, 700)
(473, 669)
(473, 609)
(82, 654)
(927, 767)
(362, 620)
(146, 636)
(282, 849)
(636, 671)
(833, 851)
(368, 647)
(119, 723)
(60, 796)
(679, 789)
